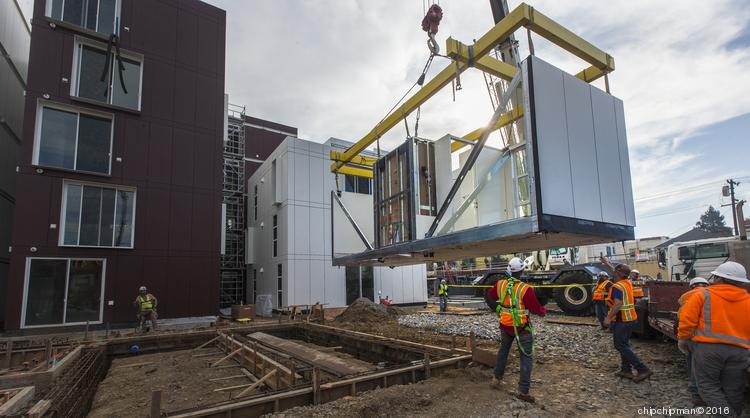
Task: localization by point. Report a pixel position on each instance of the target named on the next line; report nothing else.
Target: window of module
(97, 216)
(275, 235)
(279, 286)
(117, 88)
(96, 15)
(70, 139)
(357, 184)
(63, 291)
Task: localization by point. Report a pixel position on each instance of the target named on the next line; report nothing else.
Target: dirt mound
(365, 310)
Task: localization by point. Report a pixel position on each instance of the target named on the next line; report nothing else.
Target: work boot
(525, 397)
(641, 376)
(625, 374)
(697, 400)
(495, 383)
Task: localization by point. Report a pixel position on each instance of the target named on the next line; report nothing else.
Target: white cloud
(334, 67)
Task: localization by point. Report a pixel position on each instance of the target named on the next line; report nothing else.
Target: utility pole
(729, 191)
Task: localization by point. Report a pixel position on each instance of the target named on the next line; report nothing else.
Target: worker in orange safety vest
(696, 285)
(516, 302)
(621, 319)
(716, 321)
(601, 294)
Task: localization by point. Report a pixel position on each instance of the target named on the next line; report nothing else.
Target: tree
(712, 221)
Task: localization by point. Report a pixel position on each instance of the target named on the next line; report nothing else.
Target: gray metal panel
(582, 149)
(627, 187)
(551, 140)
(608, 158)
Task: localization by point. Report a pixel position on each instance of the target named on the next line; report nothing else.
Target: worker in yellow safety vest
(443, 295)
(601, 294)
(146, 304)
(716, 322)
(516, 300)
(622, 319)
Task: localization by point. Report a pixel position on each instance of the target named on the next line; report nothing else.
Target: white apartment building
(289, 239)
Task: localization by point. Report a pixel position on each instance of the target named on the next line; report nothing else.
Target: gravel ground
(570, 341)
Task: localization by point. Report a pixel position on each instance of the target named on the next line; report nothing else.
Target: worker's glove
(682, 345)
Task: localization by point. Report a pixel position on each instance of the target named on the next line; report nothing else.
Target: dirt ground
(570, 385)
(184, 380)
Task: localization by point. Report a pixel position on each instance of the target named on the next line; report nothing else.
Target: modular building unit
(563, 181)
(296, 229)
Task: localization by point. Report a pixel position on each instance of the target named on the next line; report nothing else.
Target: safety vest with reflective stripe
(627, 310)
(443, 290)
(602, 290)
(720, 320)
(513, 300)
(146, 303)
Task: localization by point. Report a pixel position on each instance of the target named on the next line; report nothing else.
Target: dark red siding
(171, 153)
(261, 138)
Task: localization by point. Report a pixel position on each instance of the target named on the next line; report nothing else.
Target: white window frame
(115, 23)
(61, 237)
(78, 43)
(67, 279)
(41, 104)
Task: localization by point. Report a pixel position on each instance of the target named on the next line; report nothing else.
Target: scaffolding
(232, 283)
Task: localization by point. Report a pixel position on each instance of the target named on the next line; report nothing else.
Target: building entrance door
(360, 282)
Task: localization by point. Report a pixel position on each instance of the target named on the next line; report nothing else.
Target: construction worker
(601, 294)
(716, 320)
(622, 318)
(696, 285)
(443, 295)
(516, 300)
(635, 276)
(146, 304)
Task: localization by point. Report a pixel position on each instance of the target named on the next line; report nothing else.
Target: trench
(244, 371)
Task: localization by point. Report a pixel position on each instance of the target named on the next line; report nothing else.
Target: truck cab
(689, 259)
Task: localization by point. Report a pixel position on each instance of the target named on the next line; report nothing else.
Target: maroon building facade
(120, 172)
(261, 138)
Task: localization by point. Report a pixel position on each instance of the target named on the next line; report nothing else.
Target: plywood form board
(325, 361)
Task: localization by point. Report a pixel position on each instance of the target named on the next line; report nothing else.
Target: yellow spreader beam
(522, 16)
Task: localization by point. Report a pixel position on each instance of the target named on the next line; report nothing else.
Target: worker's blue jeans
(601, 311)
(506, 341)
(621, 332)
(443, 303)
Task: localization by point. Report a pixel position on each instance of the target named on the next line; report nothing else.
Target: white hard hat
(515, 265)
(698, 280)
(142, 289)
(732, 271)
(635, 271)
(442, 281)
(602, 274)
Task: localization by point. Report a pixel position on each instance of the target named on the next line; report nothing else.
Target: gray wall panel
(627, 187)
(608, 158)
(584, 171)
(552, 141)
(582, 148)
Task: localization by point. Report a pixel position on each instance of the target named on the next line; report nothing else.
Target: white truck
(685, 260)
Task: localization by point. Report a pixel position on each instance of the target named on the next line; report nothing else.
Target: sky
(333, 68)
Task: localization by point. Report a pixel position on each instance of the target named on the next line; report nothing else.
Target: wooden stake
(8, 353)
(156, 404)
(207, 343)
(256, 384)
(227, 357)
(427, 371)
(316, 385)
